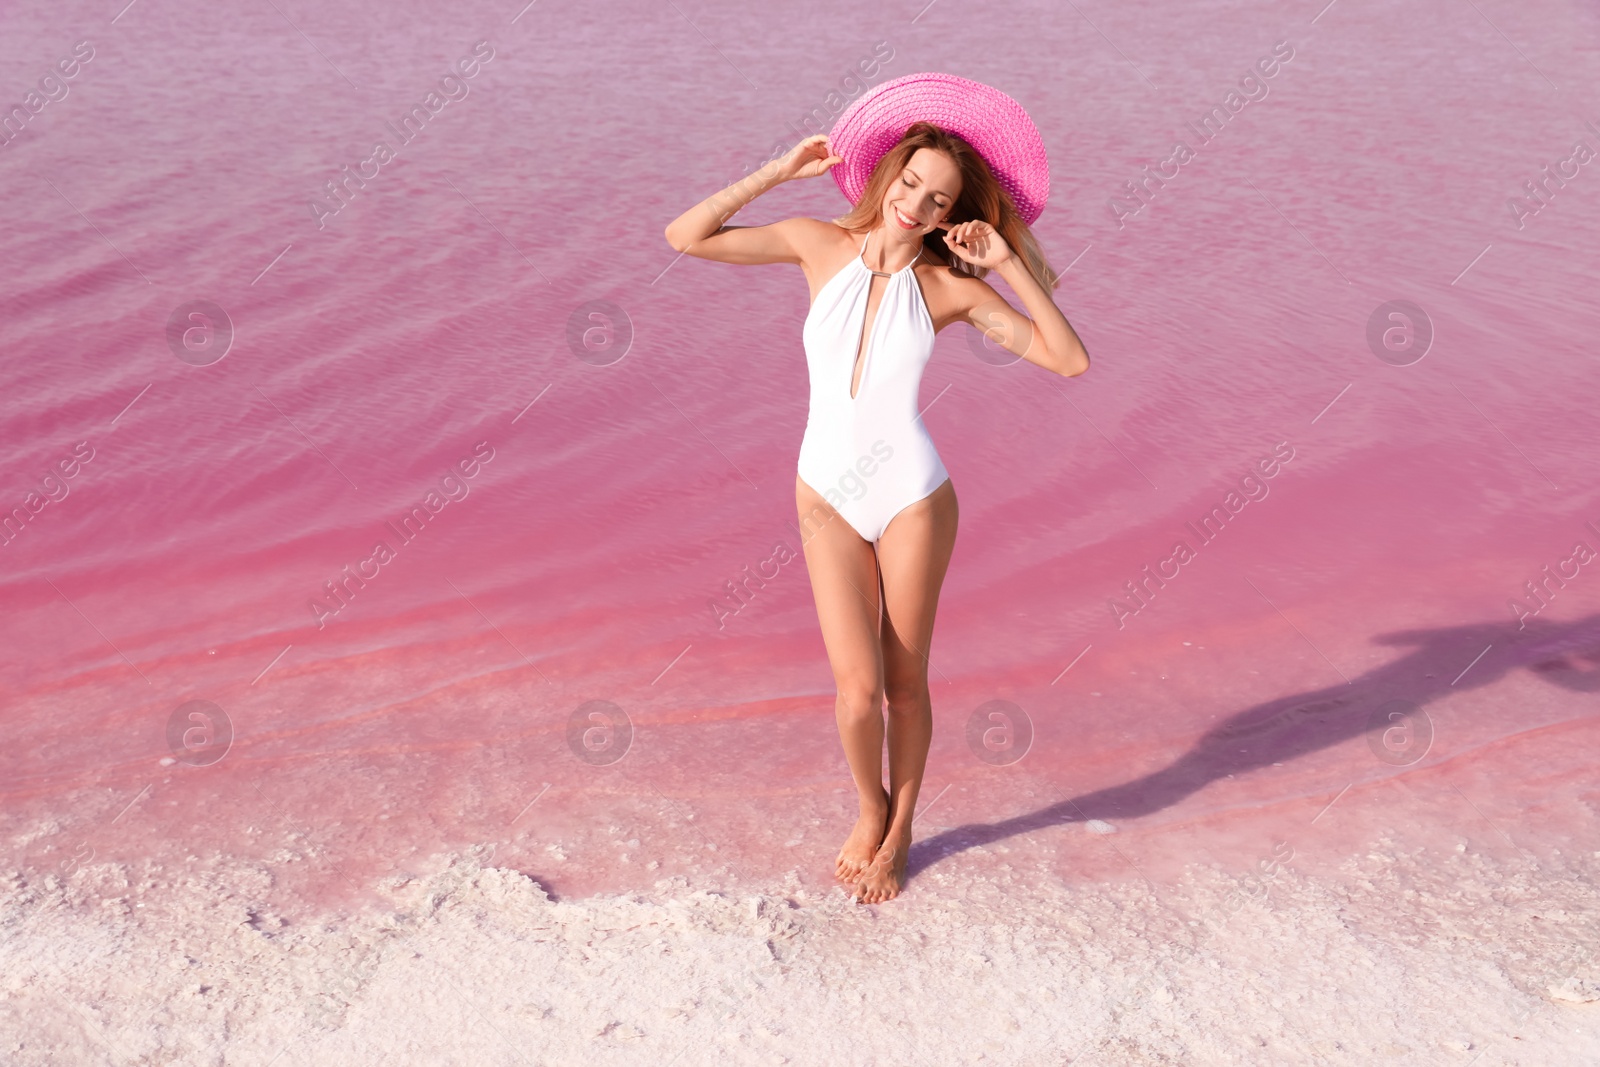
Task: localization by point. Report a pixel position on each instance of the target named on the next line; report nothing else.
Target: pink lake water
(1342, 658)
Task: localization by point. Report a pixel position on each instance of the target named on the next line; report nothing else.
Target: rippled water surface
(1346, 653)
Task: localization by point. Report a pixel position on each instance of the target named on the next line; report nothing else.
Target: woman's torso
(869, 453)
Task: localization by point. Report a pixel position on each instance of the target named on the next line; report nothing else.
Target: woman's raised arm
(701, 231)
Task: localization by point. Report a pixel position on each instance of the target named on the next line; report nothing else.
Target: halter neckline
(884, 273)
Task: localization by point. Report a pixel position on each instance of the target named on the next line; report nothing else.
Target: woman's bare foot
(862, 844)
(885, 875)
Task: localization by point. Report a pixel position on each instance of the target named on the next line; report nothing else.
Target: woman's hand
(977, 243)
(807, 159)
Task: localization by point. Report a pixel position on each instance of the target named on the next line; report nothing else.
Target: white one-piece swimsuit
(868, 455)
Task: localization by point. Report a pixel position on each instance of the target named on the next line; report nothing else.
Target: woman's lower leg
(861, 730)
(910, 733)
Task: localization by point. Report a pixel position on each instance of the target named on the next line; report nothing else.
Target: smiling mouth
(905, 221)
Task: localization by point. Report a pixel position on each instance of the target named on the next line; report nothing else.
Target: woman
(931, 217)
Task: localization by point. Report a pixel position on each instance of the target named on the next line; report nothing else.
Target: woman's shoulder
(951, 294)
(817, 234)
(818, 244)
(938, 266)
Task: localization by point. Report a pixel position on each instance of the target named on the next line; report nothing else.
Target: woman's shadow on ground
(1387, 704)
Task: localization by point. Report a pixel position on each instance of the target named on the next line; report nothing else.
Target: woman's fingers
(969, 239)
(810, 157)
(816, 167)
(974, 241)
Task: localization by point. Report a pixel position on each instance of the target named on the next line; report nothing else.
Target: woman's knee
(858, 699)
(907, 695)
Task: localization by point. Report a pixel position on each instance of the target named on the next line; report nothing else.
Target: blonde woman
(945, 175)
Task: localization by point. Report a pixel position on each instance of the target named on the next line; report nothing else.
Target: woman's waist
(834, 439)
(866, 412)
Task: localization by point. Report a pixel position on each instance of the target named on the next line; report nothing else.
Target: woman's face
(922, 195)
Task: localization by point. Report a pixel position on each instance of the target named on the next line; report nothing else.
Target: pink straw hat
(983, 116)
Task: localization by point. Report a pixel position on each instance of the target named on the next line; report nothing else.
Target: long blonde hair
(982, 197)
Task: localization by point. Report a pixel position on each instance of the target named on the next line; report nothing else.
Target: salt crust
(1401, 958)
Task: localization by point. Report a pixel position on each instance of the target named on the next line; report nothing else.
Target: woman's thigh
(913, 556)
(844, 582)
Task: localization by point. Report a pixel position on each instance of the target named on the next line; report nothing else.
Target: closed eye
(937, 199)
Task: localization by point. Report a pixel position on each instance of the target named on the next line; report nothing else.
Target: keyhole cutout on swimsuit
(870, 315)
(873, 288)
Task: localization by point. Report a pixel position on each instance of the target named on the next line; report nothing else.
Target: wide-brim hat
(983, 116)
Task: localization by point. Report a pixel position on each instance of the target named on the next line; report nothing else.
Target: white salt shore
(1406, 958)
